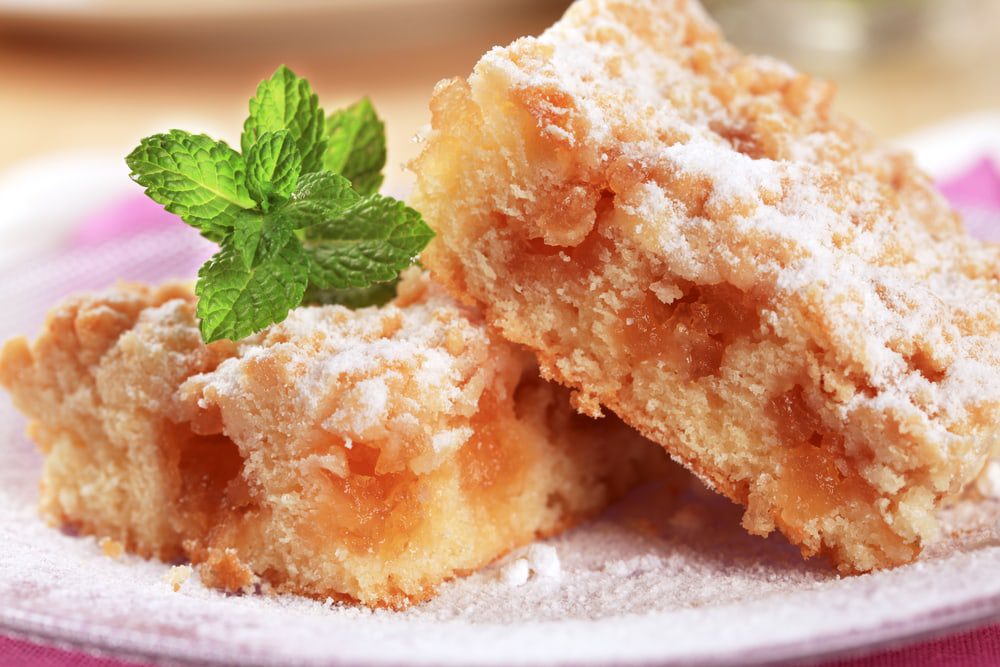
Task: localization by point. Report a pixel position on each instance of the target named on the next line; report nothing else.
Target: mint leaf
(235, 301)
(353, 297)
(273, 167)
(193, 176)
(320, 196)
(246, 236)
(276, 234)
(256, 237)
(369, 242)
(286, 102)
(356, 146)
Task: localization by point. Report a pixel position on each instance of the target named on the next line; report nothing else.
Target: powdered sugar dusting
(734, 176)
(366, 410)
(382, 376)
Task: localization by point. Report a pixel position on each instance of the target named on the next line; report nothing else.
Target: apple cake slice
(692, 238)
(364, 455)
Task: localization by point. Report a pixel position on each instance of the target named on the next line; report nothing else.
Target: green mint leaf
(246, 236)
(277, 233)
(353, 297)
(235, 301)
(257, 237)
(369, 242)
(195, 177)
(286, 102)
(273, 167)
(356, 146)
(320, 196)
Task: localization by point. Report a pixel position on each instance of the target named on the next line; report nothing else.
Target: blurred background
(82, 80)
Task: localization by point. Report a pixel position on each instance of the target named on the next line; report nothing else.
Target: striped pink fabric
(978, 648)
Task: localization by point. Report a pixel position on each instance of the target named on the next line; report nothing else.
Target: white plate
(654, 581)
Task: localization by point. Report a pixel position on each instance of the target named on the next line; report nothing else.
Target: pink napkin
(975, 193)
(977, 187)
(27, 654)
(979, 648)
(127, 217)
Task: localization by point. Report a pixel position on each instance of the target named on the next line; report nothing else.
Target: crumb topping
(790, 201)
(386, 376)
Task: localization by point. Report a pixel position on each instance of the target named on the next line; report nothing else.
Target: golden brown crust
(695, 239)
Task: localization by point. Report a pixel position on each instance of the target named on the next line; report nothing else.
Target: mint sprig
(296, 213)
(356, 146)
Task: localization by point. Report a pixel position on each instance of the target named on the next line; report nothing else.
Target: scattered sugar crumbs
(538, 560)
(988, 484)
(177, 576)
(111, 547)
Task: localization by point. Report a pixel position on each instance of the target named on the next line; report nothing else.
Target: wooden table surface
(103, 86)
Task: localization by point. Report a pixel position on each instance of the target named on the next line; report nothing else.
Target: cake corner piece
(697, 240)
(364, 455)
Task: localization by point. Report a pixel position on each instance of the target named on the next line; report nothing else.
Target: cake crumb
(988, 483)
(688, 518)
(515, 573)
(177, 576)
(540, 560)
(543, 560)
(111, 547)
